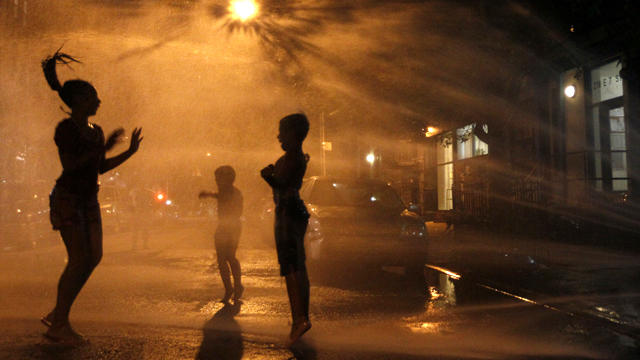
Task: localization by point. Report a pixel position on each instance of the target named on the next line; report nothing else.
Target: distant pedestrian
(228, 231)
(75, 211)
(141, 216)
(291, 218)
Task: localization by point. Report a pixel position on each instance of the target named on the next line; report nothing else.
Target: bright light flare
(243, 10)
(570, 91)
(445, 271)
(430, 131)
(371, 158)
(160, 196)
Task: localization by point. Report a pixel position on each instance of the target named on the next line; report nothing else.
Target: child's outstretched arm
(205, 194)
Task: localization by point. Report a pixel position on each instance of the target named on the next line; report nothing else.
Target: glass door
(609, 160)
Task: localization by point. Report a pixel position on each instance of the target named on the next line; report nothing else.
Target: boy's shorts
(289, 234)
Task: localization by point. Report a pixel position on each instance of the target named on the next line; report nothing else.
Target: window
(469, 144)
(607, 130)
(444, 158)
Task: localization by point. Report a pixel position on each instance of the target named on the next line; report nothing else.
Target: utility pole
(324, 148)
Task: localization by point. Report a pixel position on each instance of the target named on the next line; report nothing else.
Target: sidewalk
(600, 286)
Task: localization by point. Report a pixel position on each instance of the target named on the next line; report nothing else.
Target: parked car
(362, 222)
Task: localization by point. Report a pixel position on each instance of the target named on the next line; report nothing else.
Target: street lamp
(371, 158)
(430, 131)
(570, 91)
(243, 10)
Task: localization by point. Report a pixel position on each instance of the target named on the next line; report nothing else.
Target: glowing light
(371, 158)
(570, 91)
(208, 154)
(160, 196)
(334, 185)
(434, 293)
(35, 196)
(429, 326)
(243, 10)
(373, 198)
(168, 202)
(19, 211)
(426, 327)
(430, 131)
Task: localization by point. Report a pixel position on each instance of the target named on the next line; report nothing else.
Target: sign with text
(606, 82)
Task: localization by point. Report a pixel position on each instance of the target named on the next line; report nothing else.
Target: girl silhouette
(75, 211)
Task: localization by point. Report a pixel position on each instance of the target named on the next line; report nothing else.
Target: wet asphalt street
(162, 303)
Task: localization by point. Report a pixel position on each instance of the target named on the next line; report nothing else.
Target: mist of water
(208, 91)
(198, 82)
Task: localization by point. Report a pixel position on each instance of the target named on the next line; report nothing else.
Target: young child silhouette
(291, 218)
(228, 231)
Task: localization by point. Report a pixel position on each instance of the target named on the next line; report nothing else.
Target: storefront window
(618, 135)
(608, 137)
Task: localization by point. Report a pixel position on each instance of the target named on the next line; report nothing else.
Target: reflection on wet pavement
(169, 296)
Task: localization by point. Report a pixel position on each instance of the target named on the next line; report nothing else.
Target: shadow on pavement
(222, 336)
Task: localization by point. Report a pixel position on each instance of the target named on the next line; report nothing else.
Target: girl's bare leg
(83, 257)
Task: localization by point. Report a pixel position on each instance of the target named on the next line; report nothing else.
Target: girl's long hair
(71, 87)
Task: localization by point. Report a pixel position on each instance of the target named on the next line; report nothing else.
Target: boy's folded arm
(208, 194)
(284, 173)
(274, 181)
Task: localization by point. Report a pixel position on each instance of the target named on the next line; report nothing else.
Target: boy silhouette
(228, 231)
(291, 218)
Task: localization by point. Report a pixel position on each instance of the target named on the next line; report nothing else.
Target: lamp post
(371, 159)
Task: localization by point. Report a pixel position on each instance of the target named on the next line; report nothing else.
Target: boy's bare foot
(237, 294)
(297, 330)
(47, 320)
(64, 334)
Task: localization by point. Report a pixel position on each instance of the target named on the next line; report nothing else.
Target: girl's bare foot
(64, 334)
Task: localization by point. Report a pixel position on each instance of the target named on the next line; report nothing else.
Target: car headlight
(314, 230)
(414, 230)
